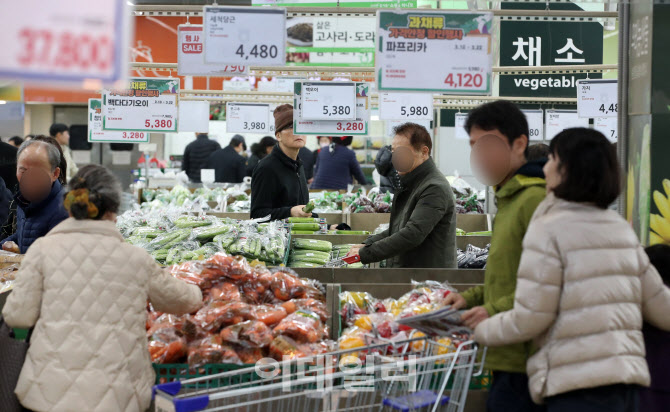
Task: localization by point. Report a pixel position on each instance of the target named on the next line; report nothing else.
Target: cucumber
(314, 259)
(302, 220)
(302, 232)
(211, 232)
(306, 226)
(352, 232)
(184, 222)
(304, 252)
(311, 244)
(309, 207)
(303, 265)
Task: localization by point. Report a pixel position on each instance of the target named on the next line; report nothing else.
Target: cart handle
(481, 363)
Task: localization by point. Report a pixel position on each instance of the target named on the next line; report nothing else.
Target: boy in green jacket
(499, 141)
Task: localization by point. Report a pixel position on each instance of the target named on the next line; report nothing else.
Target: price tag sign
(597, 98)
(392, 124)
(558, 120)
(245, 36)
(97, 135)
(609, 126)
(328, 101)
(357, 126)
(248, 118)
(148, 104)
(194, 116)
(411, 106)
(191, 55)
(66, 40)
(535, 124)
(459, 124)
(434, 51)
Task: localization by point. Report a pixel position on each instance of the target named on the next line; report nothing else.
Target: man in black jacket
(278, 184)
(196, 154)
(8, 166)
(422, 230)
(229, 166)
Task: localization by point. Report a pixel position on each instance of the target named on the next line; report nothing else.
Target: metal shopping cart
(417, 374)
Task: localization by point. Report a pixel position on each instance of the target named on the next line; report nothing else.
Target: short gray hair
(53, 154)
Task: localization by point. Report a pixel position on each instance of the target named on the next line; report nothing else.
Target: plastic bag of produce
(191, 272)
(207, 233)
(270, 315)
(249, 334)
(222, 265)
(249, 356)
(166, 345)
(216, 314)
(224, 240)
(224, 291)
(303, 326)
(314, 305)
(371, 321)
(286, 348)
(210, 350)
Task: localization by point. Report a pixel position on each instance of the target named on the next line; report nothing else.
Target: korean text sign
(148, 104)
(65, 40)
(533, 44)
(434, 51)
(96, 134)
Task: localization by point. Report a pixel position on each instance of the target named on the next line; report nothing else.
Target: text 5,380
(158, 123)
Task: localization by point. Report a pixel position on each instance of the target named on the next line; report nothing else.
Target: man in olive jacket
(422, 230)
(499, 139)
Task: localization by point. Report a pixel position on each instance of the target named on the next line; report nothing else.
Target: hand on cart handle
(355, 250)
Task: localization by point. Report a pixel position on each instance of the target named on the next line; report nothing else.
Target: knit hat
(283, 117)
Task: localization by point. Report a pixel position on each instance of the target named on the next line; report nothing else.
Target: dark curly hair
(104, 191)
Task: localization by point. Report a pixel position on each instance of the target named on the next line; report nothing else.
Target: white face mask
(325, 144)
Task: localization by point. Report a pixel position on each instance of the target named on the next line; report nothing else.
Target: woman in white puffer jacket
(584, 287)
(85, 291)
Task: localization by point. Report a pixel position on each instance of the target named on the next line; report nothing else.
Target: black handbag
(12, 355)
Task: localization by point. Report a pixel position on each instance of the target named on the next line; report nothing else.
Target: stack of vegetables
(367, 318)
(175, 238)
(373, 202)
(235, 197)
(307, 225)
(308, 253)
(461, 232)
(473, 257)
(249, 312)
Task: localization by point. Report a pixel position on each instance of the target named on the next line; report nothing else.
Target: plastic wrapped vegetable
(210, 350)
(216, 314)
(249, 356)
(287, 348)
(225, 291)
(303, 326)
(166, 345)
(222, 265)
(270, 314)
(312, 244)
(313, 305)
(249, 334)
(188, 222)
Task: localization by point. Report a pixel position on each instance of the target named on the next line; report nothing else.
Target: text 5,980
(133, 135)
(64, 50)
(158, 124)
(350, 126)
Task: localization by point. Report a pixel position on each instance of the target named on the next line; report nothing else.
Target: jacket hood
(528, 175)
(88, 226)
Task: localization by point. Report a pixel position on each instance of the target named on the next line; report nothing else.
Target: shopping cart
(409, 375)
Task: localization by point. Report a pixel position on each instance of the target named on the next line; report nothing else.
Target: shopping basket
(408, 375)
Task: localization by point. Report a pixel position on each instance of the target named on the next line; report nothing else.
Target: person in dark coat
(335, 166)
(389, 179)
(40, 198)
(8, 166)
(278, 185)
(196, 155)
(422, 230)
(229, 166)
(5, 201)
(656, 397)
(259, 151)
(308, 161)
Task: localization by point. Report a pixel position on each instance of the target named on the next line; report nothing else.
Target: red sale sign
(191, 56)
(67, 40)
